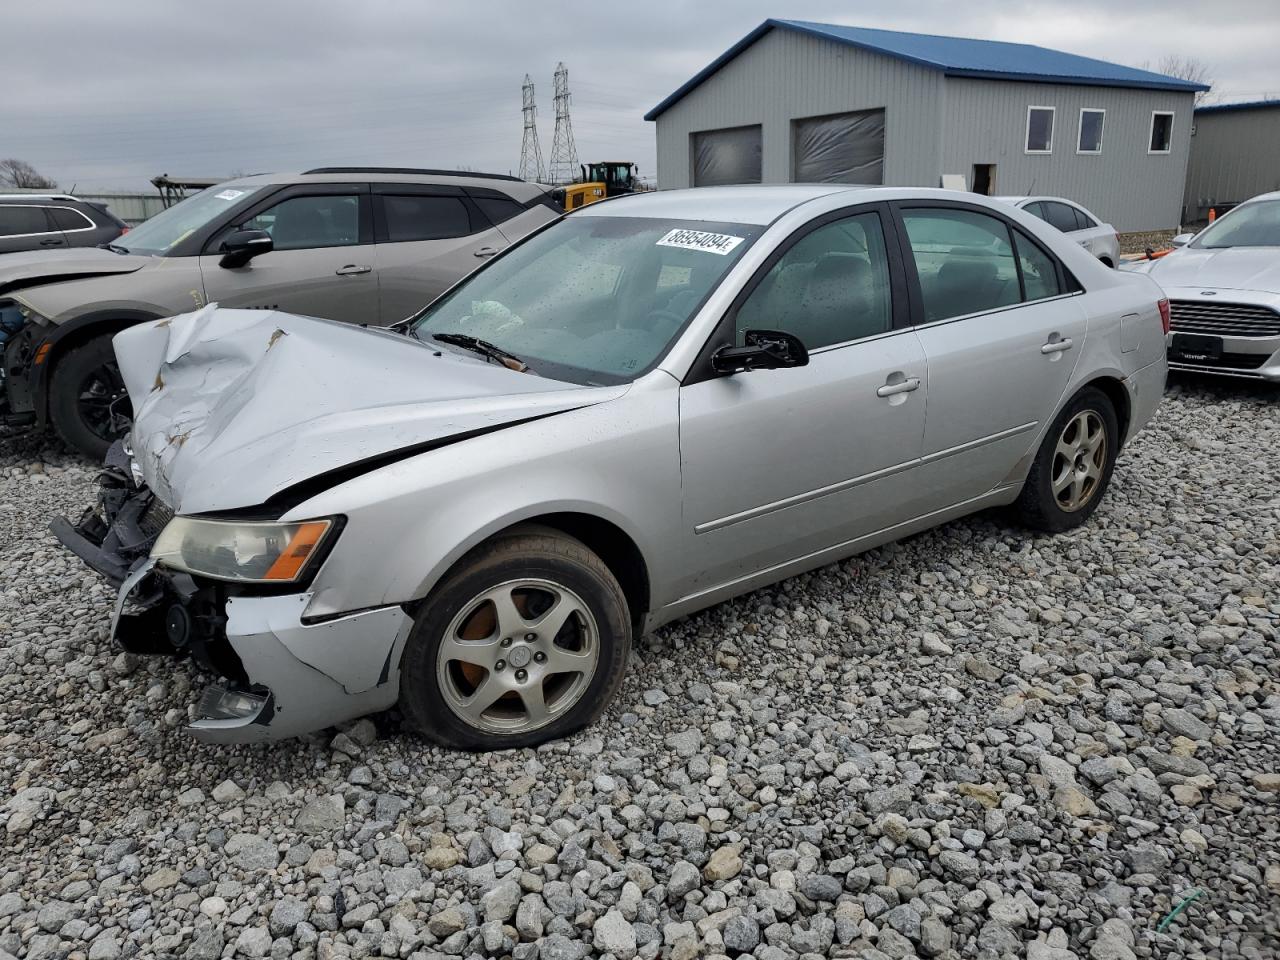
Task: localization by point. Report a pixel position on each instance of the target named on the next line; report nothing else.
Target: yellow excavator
(610, 178)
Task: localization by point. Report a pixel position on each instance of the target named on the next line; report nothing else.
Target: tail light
(1163, 304)
(125, 230)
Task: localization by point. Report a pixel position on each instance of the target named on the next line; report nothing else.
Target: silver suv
(370, 245)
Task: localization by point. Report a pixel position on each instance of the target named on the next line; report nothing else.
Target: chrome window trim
(91, 224)
(19, 236)
(1005, 309)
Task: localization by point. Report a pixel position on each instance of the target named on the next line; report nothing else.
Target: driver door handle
(486, 251)
(351, 269)
(901, 386)
(1056, 346)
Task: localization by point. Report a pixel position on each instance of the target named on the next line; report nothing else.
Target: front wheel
(88, 404)
(525, 641)
(1073, 466)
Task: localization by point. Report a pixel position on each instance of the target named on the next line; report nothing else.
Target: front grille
(1236, 361)
(155, 517)
(1223, 319)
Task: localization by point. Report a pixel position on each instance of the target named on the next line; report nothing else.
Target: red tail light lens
(125, 230)
(1163, 304)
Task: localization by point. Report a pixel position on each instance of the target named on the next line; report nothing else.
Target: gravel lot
(972, 744)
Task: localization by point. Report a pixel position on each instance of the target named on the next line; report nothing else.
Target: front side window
(1161, 132)
(1254, 224)
(413, 217)
(832, 286)
(20, 221)
(167, 229)
(967, 263)
(1090, 131)
(1040, 129)
(307, 223)
(592, 299)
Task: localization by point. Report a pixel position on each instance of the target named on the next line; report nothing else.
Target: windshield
(592, 299)
(1249, 225)
(164, 231)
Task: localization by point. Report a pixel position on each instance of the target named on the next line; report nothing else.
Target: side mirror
(243, 245)
(764, 350)
(1182, 239)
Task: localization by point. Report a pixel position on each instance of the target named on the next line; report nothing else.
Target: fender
(65, 335)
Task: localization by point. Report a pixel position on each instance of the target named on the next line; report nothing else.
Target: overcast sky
(109, 94)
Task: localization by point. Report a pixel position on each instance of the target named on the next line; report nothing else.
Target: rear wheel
(88, 403)
(1073, 466)
(525, 641)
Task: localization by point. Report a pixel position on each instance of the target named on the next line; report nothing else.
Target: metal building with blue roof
(795, 101)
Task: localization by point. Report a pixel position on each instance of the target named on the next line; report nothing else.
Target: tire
(84, 390)
(1080, 488)
(439, 676)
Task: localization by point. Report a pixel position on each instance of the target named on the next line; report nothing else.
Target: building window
(1090, 131)
(1161, 131)
(843, 148)
(1040, 129)
(726, 156)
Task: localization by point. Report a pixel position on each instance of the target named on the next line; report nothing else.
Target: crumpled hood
(1231, 268)
(233, 406)
(18, 270)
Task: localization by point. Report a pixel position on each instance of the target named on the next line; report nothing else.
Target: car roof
(1019, 201)
(756, 203)
(38, 196)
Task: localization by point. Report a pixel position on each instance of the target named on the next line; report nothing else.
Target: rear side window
(410, 217)
(65, 218)
(498, 209)
(19, 221)
(964, 260)
(1084, 221)
(1061, 216)
(966, 263)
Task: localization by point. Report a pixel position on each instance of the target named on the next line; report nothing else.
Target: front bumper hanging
(278, 675)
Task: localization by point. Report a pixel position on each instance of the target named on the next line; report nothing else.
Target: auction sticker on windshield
(720, 243)
(229, 194)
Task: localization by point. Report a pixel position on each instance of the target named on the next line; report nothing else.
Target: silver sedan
(1076, 222)
(648, 407)
(1224, 287)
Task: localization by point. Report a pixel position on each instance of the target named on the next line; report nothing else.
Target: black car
(30, 221)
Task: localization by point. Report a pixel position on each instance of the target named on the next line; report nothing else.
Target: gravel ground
(973, 744)
(1138, 242)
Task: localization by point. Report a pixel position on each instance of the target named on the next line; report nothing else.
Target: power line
(564, 154)
(530, 150)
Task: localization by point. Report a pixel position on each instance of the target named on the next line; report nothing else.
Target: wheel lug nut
(531, 636)
(500, 665)
(506, 641)
(540, 657)
(521, 675)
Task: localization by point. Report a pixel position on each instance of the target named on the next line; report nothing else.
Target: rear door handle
(1056, 346)
(899, 386)
(351, 269)
(53, 243)
(486, 251)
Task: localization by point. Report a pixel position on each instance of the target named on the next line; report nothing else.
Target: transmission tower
(564, 155)
(531, 167)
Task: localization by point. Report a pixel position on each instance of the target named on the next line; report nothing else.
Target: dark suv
(37, 221)
(365, 245)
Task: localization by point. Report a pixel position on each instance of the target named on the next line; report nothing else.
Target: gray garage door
(841, 148)
(726, 156)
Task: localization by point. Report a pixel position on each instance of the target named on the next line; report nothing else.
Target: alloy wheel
(102, 402)
(517, 656)
(1079, 460)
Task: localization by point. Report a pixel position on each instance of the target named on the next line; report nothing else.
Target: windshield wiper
(115, 248)
(484, 348)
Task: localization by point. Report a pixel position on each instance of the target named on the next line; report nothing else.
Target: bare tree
(19, 173)
(1185, 68)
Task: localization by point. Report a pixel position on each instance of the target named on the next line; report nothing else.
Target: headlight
(248, 552)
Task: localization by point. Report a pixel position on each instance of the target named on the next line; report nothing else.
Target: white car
(1223, 285)
(1075, 221)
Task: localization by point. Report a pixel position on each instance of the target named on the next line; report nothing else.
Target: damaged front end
(278, 675)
